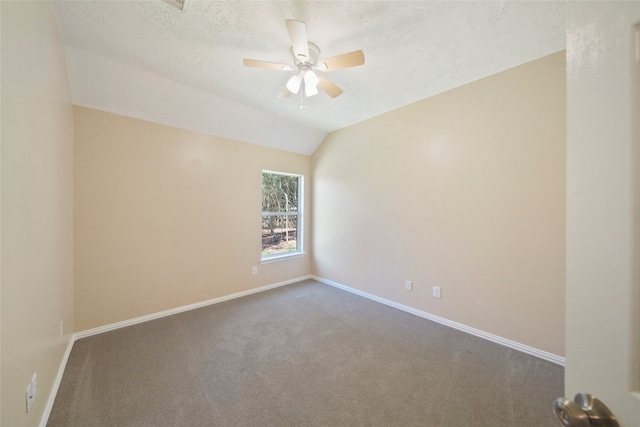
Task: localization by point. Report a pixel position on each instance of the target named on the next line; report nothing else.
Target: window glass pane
(279, 193)
(279, 234)
(281, 214)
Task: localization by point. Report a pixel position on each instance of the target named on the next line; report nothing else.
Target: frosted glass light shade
(294, 84)
(310, 83)
(310, 90)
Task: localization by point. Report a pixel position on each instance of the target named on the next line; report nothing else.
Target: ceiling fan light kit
(305, 59)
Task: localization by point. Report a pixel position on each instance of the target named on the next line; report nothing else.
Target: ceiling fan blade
(345, 60)
(328, 87)
(298, 35)
(267, 65)
(285, 93)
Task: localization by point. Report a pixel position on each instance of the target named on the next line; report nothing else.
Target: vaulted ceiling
(151, 60)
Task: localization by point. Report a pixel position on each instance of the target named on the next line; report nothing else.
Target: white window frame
(299, 252)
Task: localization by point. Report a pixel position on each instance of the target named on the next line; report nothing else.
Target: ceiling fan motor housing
(314, 54)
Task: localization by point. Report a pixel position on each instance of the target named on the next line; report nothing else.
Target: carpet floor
(305, 354)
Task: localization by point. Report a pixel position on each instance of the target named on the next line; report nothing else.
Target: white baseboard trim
(550, 357)
(152, 316)
(56, 383)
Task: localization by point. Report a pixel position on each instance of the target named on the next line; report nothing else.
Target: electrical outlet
(30, 394)
(436, 292)
(28, 398)
(408, 285)
(34, 385)
(254, 270)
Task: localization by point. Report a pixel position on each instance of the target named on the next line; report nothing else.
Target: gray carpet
(301, 355)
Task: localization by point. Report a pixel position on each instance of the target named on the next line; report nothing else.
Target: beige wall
(464, 190)
(166, 217)
(37, 207)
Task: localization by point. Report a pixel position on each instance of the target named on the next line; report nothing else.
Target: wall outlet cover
(34, 385)
(29, 398)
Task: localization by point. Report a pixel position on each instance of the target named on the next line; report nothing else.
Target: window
(281, 215)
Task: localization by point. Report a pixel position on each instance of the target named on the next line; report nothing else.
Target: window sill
(282, 257)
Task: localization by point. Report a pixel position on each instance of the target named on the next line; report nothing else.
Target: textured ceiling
(150, 60)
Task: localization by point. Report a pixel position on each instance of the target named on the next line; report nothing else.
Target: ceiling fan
(306, 62)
